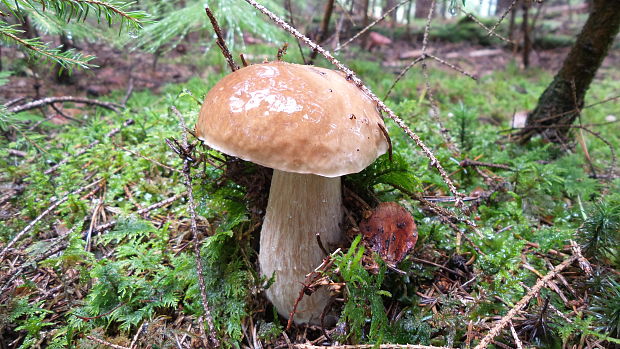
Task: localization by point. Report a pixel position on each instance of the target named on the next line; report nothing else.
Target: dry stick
(508, 10)
(515, 336)
(488, 30)
(45, 213)
(445, 133)
(140, 212)
(101, 341)
(49, 100)
(368, 346)
(16, 273)
(469, 162)
(243, 61)
(84, 150)
(451, 66)
(147, 158)
(220, 41)
(360, 84)
(402, 73)
(523, 302)
(387, 13)
(583, 262)
(289, 8)
(194, 230)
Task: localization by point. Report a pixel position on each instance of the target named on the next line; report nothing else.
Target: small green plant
(606, 308)
(601, 230)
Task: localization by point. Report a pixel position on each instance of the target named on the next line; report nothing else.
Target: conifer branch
(36, 47)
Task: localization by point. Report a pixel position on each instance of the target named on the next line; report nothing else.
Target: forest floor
(109, 262)
(120, 70)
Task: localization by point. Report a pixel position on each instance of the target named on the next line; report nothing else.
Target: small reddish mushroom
(390, 231)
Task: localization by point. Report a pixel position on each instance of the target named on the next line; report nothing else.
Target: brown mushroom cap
(294, 118)
(390, 231)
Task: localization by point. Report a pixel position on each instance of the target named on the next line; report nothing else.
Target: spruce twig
(359, 83)
(220, 41)
(445, 133)
(524, 301)
(194, 229)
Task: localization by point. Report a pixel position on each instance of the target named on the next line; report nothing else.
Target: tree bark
(560, 104)
(525, 29)
(502, 6)
(366, 21)
(422, 7)
(62, 75)
(327, 14)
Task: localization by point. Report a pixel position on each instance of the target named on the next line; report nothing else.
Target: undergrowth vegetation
(74, 278)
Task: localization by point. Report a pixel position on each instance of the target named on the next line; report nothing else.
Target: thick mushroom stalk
(300, 206)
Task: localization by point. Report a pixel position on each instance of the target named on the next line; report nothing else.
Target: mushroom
(311, 125)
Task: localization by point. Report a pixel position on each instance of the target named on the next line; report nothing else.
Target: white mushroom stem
(300, 206)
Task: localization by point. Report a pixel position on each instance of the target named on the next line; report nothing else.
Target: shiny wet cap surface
(293, 118)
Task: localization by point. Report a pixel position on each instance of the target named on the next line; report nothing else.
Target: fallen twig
(101, 341)
(469, 162)
(369, 346)
(523, 302)
(51, 208)
(385, 14)
(50, 100)
(141, 212)
(490, 32)
(194, 229)
(147, 158)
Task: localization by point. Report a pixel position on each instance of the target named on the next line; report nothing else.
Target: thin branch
(194, 230)
(434, 108)
(402, 74)
(359, 83)
(49, 100)
(508, 10)
(523, 302)
(220, 41)
(488, 30)
(108, 344)
(289, 8)
(451, 66)
(141, 212)
(387, 13)
(368, 346)
(51, 208)
(469, 162)
(148, 159)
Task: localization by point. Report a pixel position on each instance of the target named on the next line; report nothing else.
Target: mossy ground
(138, 278)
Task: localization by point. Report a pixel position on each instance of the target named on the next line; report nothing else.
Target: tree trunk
(365, 5)
(327, 14)
(387, 5)
(62, 75)
(502, 6)
(422, 7)
(560, 104)
(525, 28)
